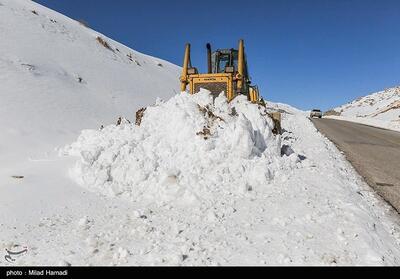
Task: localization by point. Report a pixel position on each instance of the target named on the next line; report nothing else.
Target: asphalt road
(374, 153)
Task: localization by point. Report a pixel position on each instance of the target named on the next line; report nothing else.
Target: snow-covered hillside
(381, 109)
(58, 77)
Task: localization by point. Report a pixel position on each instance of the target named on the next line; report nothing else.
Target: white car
(316, 113)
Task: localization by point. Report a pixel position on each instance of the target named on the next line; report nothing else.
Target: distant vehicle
(316, 113)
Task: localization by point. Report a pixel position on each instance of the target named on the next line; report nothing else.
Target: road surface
(374, 153)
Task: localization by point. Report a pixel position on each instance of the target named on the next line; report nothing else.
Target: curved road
(374, 153)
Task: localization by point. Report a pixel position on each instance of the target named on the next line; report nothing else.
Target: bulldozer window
(235, 59)
(223, 61)
(222, 58)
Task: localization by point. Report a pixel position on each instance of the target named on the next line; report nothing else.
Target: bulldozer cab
(224, 58)
(226, 72)
(220, 60)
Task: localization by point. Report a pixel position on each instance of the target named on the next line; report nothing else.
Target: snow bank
(384, 124)
(187, 147)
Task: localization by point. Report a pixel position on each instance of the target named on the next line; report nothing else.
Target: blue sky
(307, 53)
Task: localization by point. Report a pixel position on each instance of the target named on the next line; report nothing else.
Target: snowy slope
(381, 109)
(57, 79)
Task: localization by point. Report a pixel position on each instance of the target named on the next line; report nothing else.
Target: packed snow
(198, 182)
(380, 109)
(190, 146)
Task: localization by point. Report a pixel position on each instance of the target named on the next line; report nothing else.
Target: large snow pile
(188, 147)
(380, 109)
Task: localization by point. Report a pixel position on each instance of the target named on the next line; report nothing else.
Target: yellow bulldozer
(227, 72)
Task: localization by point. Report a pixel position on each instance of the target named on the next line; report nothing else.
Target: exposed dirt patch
(208, 113)
(206, 133)
(139, 116)
(331, 112)
(104, 43)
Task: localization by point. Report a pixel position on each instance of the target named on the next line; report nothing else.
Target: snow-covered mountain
(58, 77)
(380, 109)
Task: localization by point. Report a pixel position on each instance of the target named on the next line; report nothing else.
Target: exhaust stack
(209, 65)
